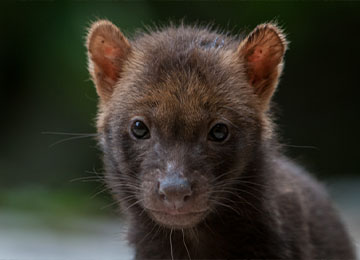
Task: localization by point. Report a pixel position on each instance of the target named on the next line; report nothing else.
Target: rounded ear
(107, 49)
(263, 51)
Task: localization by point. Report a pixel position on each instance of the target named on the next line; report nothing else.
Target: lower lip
(177, 219)
(177, 213)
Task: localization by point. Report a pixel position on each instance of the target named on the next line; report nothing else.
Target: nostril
(161, 192)
(162, 196)
(186, 198)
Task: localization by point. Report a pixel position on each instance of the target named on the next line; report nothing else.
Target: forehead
(179, 86)
(182, 105)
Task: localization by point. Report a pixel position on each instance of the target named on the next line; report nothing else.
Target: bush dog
(190, 151)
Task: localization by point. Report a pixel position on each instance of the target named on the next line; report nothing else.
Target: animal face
(179, 117)
(176, 148)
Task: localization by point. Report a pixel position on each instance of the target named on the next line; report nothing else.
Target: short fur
(180, 81)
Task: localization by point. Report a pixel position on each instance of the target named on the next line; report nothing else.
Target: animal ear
(108, 49)
(263, 51)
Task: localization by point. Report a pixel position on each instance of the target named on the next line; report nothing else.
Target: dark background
(45, 87)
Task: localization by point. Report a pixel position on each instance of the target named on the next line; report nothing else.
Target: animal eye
(218, 133)
(140, 130)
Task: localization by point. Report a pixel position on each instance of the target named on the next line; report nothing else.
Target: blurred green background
(45, 87)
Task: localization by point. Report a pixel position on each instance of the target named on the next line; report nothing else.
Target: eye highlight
(140, 130)
(218, 133)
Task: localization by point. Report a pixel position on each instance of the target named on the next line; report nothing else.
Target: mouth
(176, 219)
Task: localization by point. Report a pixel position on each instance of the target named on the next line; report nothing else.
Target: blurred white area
(25, 236)
(346, 194)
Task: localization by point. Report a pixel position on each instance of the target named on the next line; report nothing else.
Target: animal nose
(174, 191)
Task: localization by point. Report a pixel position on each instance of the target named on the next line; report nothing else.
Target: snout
(174, 192)
(175, 201)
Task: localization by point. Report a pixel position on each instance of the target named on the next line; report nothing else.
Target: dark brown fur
(180, 81)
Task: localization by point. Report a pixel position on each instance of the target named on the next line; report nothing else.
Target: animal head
(182, 111)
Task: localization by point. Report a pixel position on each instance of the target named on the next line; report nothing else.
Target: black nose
(175, 191)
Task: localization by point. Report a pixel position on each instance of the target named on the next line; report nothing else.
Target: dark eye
(218, 133)
(140, 130)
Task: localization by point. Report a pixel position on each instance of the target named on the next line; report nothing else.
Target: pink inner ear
(111, 52)
(106, 56)
(257, 55)
(112, 70)
(259, 64)
(262, 52)
(262, 62)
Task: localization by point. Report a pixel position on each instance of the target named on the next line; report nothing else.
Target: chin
(177, 220)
